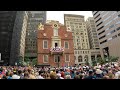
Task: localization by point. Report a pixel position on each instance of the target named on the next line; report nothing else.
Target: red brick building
(55, 45)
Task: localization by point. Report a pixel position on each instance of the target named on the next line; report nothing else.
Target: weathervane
(40, 27)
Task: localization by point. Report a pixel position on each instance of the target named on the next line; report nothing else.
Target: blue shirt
(9, 77)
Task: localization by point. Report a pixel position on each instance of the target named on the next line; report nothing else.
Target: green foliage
(34, 61)
(113, 59)
(94, 62)
(86, 62)
(101, 61)
(26, 59)
(106, 60)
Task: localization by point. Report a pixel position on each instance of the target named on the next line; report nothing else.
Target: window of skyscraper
(102, 12)
(114, 13)
(112, 31)
(111, 26)
(119, 15)
(118, 28)
(106, 18)
(118, 22)
(105, 14)
(119, 34)
(108, 23)
(114, 37)
(109, 39)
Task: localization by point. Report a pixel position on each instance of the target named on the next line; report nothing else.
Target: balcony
(56, 50)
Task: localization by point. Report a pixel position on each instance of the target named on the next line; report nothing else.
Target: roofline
(74, 15)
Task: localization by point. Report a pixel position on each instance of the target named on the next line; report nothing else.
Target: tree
(94, 62)
(34, 61)
(26, 61)
(113, 59)
(101, 61)
(86, 62)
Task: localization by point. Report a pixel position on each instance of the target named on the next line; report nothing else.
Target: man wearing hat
(98, 74)
(15, 76)
(91, 75)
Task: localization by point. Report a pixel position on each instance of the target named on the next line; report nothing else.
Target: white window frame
(54, 58)
(44, 59)
(55, 32)
(65, 58)
(68, 44)
(43, 44)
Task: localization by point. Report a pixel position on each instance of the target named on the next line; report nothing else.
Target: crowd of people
(106, 71)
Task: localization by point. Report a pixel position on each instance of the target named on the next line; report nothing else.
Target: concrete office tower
(108, 30)
(80, 37)
(18, 38)
(92, 33)
(12, 35)
(93, 39)
(34, 18)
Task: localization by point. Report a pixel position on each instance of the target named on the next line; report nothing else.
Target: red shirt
(62, 74)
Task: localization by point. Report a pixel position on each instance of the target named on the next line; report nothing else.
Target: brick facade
(63, 35)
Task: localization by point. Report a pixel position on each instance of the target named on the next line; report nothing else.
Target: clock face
(55, 25)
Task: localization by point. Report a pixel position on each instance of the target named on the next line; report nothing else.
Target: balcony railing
(57, 50)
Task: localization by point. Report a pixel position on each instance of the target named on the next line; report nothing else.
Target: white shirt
(117, 74)
(39, 77)
(15, 76)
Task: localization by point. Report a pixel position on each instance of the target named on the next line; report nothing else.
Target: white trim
(54, 58)
(44, 60)
(55, 31)
(43, 44)
(65, 58)
(68, 44)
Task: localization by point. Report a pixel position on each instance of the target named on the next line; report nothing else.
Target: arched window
(86, 58)
(80, 59)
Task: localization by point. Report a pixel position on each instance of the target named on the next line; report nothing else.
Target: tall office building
(12, 35)
(108, 30)
(93, 39)
(92, 33)
(34, 18)
(80, 37)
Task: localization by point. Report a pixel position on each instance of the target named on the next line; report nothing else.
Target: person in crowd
(105, 71)
(10, 75)
(90, 76)
(15, 76)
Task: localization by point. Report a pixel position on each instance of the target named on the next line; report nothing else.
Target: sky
(59, 15)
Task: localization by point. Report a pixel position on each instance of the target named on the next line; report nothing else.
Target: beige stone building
(93, 38)
(108, 30)
(80, 37)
